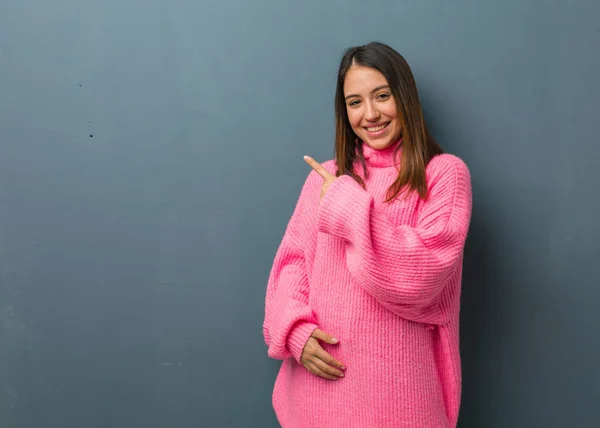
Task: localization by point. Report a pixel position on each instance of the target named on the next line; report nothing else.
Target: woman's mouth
(376, 129)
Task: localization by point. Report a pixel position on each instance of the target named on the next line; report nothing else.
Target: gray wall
(151, 155)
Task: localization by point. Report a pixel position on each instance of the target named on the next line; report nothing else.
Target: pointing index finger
(317, 167)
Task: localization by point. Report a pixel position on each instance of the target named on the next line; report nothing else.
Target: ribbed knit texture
(384, 279)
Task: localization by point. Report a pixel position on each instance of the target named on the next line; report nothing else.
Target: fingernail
(305, 157)
(343, 367)
(334, 340)
(342, 375)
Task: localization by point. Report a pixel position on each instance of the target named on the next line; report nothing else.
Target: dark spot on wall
(91, 135)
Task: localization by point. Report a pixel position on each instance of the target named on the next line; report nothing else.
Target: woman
(362, 302)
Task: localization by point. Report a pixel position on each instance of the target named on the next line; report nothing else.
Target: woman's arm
(405, 268)
(289, 320)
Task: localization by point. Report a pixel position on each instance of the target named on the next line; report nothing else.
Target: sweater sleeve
(289, 321)
(405, 268)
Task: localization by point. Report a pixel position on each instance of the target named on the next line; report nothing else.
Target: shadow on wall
(477, 307)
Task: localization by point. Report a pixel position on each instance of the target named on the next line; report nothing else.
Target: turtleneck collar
(381, 158)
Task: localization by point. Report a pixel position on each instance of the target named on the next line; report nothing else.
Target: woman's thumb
(321, 335)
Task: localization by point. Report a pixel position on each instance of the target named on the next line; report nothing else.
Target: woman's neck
(381, 158)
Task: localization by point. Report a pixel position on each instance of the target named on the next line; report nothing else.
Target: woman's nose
(371, 113)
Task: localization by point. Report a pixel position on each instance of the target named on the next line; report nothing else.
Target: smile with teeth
(377, 128)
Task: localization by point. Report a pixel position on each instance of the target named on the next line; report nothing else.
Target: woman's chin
(379, 144)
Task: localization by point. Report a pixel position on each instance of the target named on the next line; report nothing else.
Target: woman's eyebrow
(378, 88)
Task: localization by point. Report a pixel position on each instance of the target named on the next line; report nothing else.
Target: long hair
(418, 146)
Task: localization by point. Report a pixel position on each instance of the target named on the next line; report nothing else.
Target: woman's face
(371, 107)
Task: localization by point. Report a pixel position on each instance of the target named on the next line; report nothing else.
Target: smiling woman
(371, 107)
(375, 89)
(363, 297)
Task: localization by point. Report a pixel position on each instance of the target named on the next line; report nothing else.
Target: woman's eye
(353, 103)
(383, 96)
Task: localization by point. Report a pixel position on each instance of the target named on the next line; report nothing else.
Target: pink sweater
(385, 280)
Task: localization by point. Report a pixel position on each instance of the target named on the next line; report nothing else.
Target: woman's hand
(317, 360)
(327, 176)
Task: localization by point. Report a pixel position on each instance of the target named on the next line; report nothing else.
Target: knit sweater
(384, 279)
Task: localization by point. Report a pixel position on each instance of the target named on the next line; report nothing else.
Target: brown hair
(418, 146)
